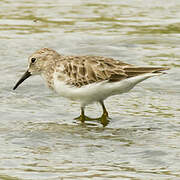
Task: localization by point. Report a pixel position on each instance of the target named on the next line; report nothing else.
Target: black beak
(25, 76)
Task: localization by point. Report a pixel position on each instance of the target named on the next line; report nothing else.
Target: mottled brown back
(83, 70)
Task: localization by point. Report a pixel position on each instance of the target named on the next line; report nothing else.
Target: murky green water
(39, 140)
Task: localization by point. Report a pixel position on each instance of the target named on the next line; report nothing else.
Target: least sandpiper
(86, 79)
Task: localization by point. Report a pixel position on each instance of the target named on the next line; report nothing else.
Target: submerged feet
(81, 118)
(104, 119)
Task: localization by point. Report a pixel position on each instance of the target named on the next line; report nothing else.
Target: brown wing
(83, 70)
(135, 71)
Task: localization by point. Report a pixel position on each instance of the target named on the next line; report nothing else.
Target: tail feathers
(135, 71)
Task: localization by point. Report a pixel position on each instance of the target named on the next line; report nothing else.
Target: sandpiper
(86, 79)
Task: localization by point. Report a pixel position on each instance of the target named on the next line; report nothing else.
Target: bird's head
(37, 63)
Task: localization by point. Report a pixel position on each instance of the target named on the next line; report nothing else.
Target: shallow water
(39, 137)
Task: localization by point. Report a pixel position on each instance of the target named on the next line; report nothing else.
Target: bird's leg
(105, 113)
(104, 118)
(82, 117)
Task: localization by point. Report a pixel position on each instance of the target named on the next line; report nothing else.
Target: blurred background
(39, 138)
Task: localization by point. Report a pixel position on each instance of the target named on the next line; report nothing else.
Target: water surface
(39, 138)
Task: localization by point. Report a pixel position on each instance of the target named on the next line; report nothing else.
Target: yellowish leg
(105, 113)
(104, 117)
(82, 117)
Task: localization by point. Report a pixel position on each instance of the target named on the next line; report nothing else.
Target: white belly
(96, 91)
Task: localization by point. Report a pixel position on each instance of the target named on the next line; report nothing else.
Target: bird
(86, 79)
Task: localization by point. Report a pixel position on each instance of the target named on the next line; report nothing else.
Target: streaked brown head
(37, 63)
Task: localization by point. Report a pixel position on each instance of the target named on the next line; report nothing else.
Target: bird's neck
(47, 74)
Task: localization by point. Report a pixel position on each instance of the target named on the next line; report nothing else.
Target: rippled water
(39, 139)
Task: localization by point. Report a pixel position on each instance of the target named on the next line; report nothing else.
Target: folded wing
(83, 70)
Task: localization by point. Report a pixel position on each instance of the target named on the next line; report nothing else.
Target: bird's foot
(81, 118)
(104, 119)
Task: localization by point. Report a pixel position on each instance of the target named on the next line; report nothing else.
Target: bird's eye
(33, 60)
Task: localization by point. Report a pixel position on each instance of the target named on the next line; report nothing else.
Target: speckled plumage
(86, 78)
(83, 70)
